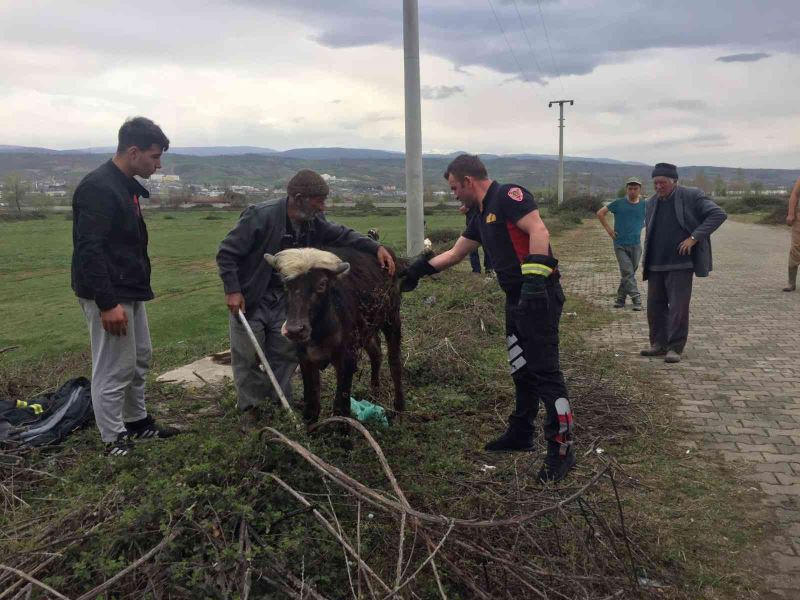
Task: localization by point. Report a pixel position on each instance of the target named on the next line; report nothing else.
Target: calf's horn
(341, 269)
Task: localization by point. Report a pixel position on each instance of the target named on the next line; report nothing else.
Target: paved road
(739, 383)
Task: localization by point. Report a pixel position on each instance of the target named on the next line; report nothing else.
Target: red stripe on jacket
(519, 239)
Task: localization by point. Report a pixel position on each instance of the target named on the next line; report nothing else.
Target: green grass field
(187, 318)
(689, 521)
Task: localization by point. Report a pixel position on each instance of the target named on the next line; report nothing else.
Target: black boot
(555, 466)
(792, 280)
(511, 441)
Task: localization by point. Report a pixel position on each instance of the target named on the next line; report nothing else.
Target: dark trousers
(532, 339)
(668, 296)
(475, 261)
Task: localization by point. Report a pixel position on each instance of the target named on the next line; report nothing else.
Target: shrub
(443, 236)
(753, 203)
(776, 217)
(25, 216)
(585, 203)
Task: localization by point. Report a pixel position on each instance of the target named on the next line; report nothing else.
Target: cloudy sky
(690, 81)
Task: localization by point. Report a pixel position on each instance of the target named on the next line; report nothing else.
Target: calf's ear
(341, 269)
(271, 260)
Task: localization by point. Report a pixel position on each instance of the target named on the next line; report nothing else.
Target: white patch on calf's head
(294, 262)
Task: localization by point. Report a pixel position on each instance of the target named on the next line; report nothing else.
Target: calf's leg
(310, 373)
(373, 348)
(392, 331)
(345, 368)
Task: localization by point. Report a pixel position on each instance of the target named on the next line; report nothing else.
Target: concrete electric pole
(415, 223)
(560, 145)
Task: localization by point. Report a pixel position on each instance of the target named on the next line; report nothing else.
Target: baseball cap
(635, 180)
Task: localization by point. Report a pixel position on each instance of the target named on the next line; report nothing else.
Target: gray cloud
(745, 57)
(684, 105)
(440, 92)
(368, 119)
(709, 140)
(581, 37)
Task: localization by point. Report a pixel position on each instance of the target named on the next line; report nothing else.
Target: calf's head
(307, 275)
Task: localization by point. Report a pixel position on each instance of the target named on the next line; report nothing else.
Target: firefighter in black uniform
(508, 224)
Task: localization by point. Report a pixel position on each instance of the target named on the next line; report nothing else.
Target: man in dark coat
(251, 285)
(679, 223)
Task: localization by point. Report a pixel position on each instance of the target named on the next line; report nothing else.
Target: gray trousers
(252, 384)
(628, 258)
(668, 296)
(119, 366)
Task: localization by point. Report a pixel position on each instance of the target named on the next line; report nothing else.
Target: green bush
(753, 203)
(585, 203)
(25, 216)
(443, 236)
(776, 217)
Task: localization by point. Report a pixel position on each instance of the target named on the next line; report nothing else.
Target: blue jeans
(475, 261)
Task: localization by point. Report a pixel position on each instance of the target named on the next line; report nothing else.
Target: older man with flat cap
(251, 285)
(678, 225)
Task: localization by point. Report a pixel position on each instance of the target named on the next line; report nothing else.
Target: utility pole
(415, 223)
(560, 145)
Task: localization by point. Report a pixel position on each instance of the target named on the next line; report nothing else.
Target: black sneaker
(619, 303)
(556, 467)
(510, 442)
(147, 429)
(122, 447)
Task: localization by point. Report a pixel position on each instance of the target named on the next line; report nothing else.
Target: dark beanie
(307, 183)
(665, 170)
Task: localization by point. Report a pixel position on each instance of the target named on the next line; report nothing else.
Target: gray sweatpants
(119, 366)
(628, 258)
(252, 384)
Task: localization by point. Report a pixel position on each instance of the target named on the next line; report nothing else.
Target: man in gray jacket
(679, 222)
(251, 286)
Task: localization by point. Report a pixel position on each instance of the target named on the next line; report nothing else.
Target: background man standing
(475, 257)
(251, 285)
(680, 222)
(627, 235)
(111, 277)
(794, 250)
(507, 222)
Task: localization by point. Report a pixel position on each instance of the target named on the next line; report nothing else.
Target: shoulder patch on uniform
(490, 218)
(515, 194)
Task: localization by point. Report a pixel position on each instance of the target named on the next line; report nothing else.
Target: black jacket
(109, 239)
(262, 229)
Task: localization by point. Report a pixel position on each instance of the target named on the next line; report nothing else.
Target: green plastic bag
(367, 412)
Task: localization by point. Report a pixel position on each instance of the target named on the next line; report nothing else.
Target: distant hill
(360, 171)
(30, 150)
(332, 153)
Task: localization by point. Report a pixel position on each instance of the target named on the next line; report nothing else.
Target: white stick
(264, 363)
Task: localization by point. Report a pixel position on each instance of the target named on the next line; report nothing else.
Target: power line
(547, 38)
(527, 39)
(505, 37)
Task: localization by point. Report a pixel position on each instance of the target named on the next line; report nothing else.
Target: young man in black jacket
(111, 277)
(508, 224)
